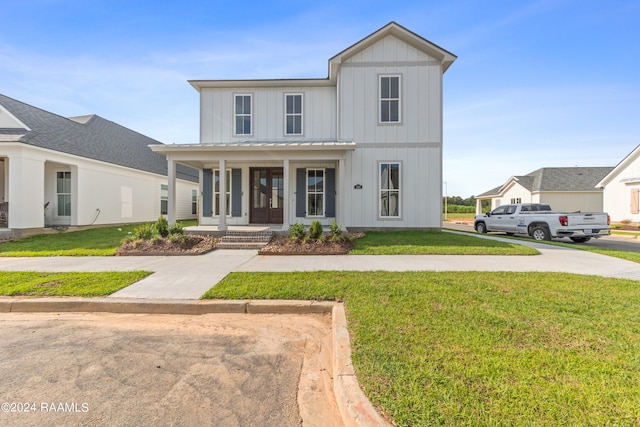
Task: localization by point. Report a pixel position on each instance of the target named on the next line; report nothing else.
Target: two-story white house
(362, 147)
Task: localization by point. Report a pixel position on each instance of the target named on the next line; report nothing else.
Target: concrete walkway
(188, 277)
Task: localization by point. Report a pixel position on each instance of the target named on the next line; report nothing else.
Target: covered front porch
(263, 184)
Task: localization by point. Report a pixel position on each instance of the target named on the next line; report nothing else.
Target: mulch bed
(194, 245)
(281, 245)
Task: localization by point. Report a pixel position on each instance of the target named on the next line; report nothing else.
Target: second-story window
(389, 99)
(242, 113)
(293, 114)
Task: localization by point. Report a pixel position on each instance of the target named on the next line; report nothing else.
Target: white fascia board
(202, 84)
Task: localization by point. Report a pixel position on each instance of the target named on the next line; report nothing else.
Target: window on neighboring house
(194, 202)
(390, 188)
(516, 200)
(164, 199)
(389, 99)
(293, 114)
(315, 192)
(63, 190)
(216, 192)
(242, 114)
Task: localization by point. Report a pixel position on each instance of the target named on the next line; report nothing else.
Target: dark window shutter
(207, 192)
(301, 192)
(236, 192)
(330, 179)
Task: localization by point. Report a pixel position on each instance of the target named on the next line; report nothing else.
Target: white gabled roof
(392, 28)
(631, 157)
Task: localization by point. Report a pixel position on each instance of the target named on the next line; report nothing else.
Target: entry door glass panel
(260, 188)
(277, 190)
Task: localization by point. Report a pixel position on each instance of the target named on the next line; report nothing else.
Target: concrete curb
(355, 408)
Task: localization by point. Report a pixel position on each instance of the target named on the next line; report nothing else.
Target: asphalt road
(156, 370)
(614, 241)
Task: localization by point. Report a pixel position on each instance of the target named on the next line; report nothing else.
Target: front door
(267, 195)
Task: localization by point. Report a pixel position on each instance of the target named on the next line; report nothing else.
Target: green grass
(412, 242)
(481, 349)
(101, 241)
(66, 284)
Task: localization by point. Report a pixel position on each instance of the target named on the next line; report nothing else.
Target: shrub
(176, 229)
(162, 226)
(315, 229)
(336, 232)
(144, 232)
(178, 238)
(297, 232)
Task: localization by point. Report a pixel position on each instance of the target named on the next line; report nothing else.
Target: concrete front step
(235, 239)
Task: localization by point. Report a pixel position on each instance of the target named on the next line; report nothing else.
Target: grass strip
(421, 242)
(67, 284)
(481, 349)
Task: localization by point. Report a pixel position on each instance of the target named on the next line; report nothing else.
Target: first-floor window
(164, 199)
(315, 192)
(194, 202)
(216, 192)
(63, 189)
(390, 190)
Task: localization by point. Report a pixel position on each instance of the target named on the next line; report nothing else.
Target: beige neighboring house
(565, 189)
(65, 172)
(362, 147)
(621, 189)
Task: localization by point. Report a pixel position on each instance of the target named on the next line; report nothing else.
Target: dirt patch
(192, 245)
(282, 245)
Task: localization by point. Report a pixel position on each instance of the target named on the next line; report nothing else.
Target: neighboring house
(57, 171)
(621, 189)
(565, 189)
(362, 147)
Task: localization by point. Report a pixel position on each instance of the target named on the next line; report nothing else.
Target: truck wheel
(481, 228)
(540, 233)
(581, 239)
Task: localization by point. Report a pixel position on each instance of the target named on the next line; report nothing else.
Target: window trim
(214, 208)
(236, 115)
(323, 193)
(287, 115)
(64, 194)
(381, 190)
(381, 99)
(163, 198)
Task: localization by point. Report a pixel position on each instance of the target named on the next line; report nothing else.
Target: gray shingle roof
(88, 136)
(565, 179)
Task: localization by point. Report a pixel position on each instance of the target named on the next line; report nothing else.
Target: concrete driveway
(150, 370)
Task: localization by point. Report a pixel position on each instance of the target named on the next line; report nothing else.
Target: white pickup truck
(541, 223)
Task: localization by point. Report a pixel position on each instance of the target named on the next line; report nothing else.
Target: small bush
(144, 232)
(178, 238)
(315, 229)
(176, 229)
(162, 226)
(297, 232)
(336, 232)
(625, 221)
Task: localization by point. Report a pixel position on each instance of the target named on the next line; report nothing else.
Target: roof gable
(419, 43)
(620, 167)
(9, 121)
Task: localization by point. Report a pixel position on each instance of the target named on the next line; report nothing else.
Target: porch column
(478, 206)
(171, 202)
(222, 191)
(287, 196)
(342, 191)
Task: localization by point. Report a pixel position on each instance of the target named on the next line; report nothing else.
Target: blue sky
(536, 83)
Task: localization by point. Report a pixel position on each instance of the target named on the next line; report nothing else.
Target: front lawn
(418, 242)
(67, 284)
(102, 241)
(481, 349)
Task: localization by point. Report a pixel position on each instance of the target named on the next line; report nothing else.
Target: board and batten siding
(420, 176)
(421, 94)
(217, 118)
